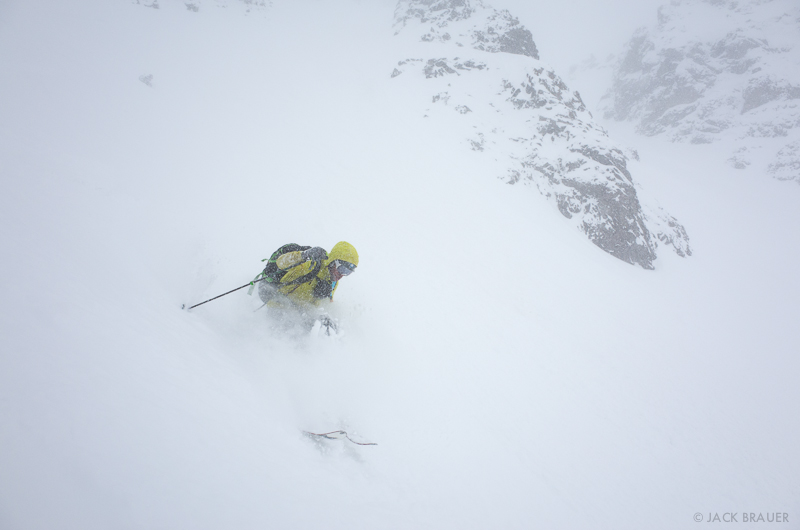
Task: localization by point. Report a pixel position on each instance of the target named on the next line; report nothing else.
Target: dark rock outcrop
(735, 81)
(538, 129)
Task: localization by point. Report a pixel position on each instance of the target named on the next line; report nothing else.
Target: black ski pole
(220, 296)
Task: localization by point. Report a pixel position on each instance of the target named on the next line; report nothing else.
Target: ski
(335, 435)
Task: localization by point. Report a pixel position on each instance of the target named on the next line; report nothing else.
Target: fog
(513, 374)
(570, 31)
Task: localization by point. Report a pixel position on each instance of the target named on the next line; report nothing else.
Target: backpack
(273, 274)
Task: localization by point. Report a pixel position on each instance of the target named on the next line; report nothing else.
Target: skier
(298, 278)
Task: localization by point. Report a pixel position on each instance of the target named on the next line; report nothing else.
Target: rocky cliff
(483, 64)
(718, 70)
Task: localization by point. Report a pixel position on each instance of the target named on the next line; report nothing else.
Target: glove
(315, 254)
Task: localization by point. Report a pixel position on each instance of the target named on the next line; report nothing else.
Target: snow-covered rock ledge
(485, 66)
(718, 70)
(195, 6)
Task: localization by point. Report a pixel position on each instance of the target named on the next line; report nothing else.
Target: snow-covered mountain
(513, 375)
(482, 64)
(718, 70)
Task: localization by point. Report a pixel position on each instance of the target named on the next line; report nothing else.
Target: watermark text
(742, 517)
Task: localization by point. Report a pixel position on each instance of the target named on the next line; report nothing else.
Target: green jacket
(318, 286)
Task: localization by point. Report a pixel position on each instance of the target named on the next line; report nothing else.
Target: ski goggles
(343, 267)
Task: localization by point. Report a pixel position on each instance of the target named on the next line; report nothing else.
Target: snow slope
(513, 375)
